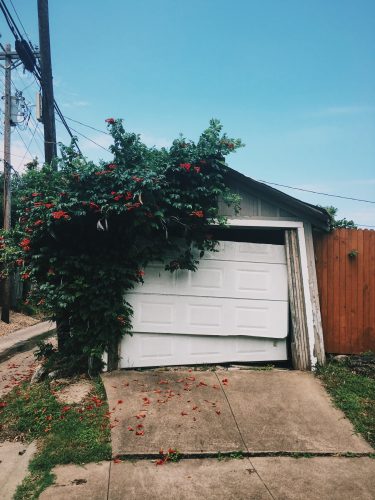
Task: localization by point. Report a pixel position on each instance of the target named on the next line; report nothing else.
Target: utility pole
(48, 101)
(7, 172)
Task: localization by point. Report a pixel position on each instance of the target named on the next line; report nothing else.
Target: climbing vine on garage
(87, 231)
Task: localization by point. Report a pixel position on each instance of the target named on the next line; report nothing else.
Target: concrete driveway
(206, 412)
(271, 416)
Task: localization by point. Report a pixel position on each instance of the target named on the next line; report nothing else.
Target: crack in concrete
(242, 438)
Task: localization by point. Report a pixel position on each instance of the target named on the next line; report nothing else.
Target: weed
(237, 454)
(354, 394)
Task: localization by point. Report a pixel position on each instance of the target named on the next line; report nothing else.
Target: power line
(88, 126)
(88, 138)
(28, 148)
(69, 130)
(10, 22)
(12, 154)
(18, 17)
(317, 192)
(24, 143)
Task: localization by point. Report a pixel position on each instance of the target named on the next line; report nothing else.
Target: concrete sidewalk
(24, 339)
(281, 478)
(202, 413)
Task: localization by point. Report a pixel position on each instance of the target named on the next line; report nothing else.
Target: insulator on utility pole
(38, 107)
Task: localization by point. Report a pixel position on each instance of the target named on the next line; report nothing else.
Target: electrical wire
(24, 143)
(9, 20)
(88, 138)
(12, 154)
(23, 27)
(317, 192)
(28, 148)
(88, 126)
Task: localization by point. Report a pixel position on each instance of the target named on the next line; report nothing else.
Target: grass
(354, 394)
(76, 433)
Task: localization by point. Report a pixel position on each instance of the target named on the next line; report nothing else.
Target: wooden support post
(300, 340)
(5, 312)
(319, 349)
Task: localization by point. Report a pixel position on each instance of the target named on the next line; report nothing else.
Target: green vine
(87, 231)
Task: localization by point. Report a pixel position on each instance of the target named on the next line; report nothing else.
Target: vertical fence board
(347, 289)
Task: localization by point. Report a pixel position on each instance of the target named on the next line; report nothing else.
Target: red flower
(225, 381)
(3, 404)
(128, 196)
(60, 214)
(36, 194)
(39, 222)
(198, 213)
(118, 197)
(20, 262)
(25, 276)
(112, 166)
(140, 433)
(111, 121)
(94, 206)
(186, 166)
(140, 273)
(49, 205)
(137, 179)
(24, 243)
(197, 169)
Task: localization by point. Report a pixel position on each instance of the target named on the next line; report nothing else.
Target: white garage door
(234, 308)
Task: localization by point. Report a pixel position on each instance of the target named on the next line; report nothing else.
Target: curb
(26, 339)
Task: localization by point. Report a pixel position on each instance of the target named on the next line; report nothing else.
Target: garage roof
(318, 216)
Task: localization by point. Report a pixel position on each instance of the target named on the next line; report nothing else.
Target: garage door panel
(246, 280)
(245, 252)
(213, 316)
(145, 349)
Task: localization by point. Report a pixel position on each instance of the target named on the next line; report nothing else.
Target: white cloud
(151, 140)
(76, 104)
(343, 110)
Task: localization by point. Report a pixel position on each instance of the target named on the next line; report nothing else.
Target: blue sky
(295, 80)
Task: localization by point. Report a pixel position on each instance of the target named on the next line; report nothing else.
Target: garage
(234, 308)
(255, 299)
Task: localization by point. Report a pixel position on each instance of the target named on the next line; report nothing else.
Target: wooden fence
(345, 265)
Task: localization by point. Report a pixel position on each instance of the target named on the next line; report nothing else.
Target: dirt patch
(75, 393)
(17, 321)
(360, 364)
